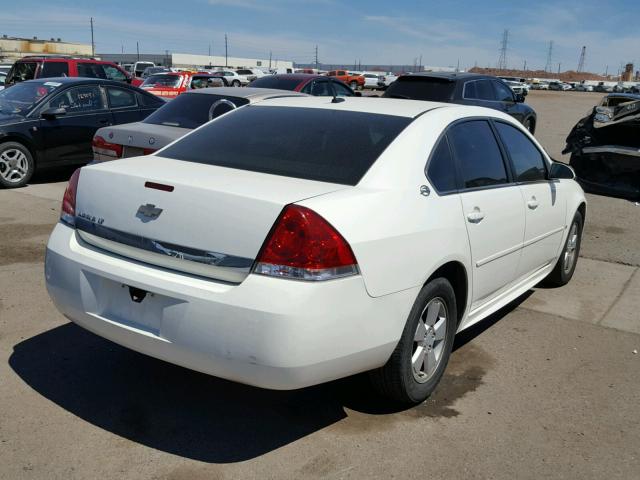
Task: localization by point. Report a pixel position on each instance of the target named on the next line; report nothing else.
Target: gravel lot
(546, 388)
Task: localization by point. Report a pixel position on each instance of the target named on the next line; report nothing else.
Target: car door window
(441, 169)
(527, 160)
(478, 155)
(121, 98)
(54, 69)
(91, 70)
(114, 73)
(79, 100)
(321, 89)
(341, 90)
(503, 92)
(484, 90)
(470, 91)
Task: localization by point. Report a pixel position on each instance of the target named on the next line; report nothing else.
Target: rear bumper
(267, 332)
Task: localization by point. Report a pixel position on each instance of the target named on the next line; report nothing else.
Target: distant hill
(569, 76)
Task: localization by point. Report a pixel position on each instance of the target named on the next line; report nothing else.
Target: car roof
(451, 76)
(299, 76)
(75, 80)
(375, 105)
(246, 92)
(54, 58)
(631, 96)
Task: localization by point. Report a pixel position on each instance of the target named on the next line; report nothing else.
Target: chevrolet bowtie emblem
(148, 212)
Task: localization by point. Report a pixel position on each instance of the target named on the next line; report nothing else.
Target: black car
(51, 121)
(465, 89)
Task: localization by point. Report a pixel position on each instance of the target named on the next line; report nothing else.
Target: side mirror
(52, 113)
(519, 98)
(561, 171)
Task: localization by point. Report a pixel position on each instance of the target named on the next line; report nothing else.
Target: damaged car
(605, 147)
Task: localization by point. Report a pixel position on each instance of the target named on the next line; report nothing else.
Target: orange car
(171, 84)
(353, 80)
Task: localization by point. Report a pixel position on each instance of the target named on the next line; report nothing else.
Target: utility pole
(270, 54)
(226, 51)
(166, 58)
(138, 50)
(525, 65)
(209, 48)
(606, 71)
(502, 61)
(458, 66)
(122, 49)
(93, 45)
(316, 50)
(547, 67)
(581, 61)
(559, 68)
(420, 63)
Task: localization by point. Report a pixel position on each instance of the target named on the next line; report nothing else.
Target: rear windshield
(421, 88)
(270, 81)
(316, 144)
(162, 81)
(192, 110)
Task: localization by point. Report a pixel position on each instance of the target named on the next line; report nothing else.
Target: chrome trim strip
(218, 266)
(634, 152)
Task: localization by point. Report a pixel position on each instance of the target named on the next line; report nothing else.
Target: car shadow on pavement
(187, 413)
(53, 175)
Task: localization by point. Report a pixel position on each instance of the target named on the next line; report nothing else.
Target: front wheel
(530, 125)
(16, 165)
(416, 365)
(235, 83)
(566, 265)
(353, 85)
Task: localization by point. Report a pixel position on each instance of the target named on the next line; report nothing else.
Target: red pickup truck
(353, 80)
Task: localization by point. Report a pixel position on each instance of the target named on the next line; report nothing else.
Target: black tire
(7, 149)
(235, 83)
(396, 379)
(560, 275)
(354, 86)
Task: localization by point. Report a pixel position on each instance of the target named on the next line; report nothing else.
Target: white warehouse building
(189, 60)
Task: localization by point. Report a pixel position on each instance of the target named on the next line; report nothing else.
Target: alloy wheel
(429, 340)
(571, 249)
(14, 165)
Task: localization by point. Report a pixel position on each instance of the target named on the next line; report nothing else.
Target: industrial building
(187, 60)
(13, 48)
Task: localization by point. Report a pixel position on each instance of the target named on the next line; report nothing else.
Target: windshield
(279, 83)
(192, 110)
(22, 97)
(162, 81)
(421, 88)
(328, 145)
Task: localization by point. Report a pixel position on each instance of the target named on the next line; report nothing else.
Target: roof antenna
(336, 98)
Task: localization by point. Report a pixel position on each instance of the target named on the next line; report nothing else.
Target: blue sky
(373, 31)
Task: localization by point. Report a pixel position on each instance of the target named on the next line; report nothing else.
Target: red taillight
(149, 151)
(102, 147)
(304, 246)
(68, 210)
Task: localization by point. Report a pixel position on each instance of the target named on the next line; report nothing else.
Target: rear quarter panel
(399, 237)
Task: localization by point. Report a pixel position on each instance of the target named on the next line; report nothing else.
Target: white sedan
(233, 78)
(285, 255)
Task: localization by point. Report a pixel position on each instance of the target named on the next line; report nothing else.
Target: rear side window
(441, 170)
(503, 92)
(121, 98)
(190, 110)
(316, 144)
(279, 83)
(79, 100)
(478, 155)
(421, 88)
(91, 70)
(21, 72)
(54, 69)
(528, 162)
(479, 90)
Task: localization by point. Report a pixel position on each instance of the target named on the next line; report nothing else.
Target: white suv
(269, 257)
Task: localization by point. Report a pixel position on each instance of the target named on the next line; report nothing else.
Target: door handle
(475, 216)
(533, 203)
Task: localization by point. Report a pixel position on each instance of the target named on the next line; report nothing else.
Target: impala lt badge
(148, 212)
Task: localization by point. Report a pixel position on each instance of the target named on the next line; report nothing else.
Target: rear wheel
(353, 85)
(16, 165)
(563, 271)
(416, 365)
(235, 83)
